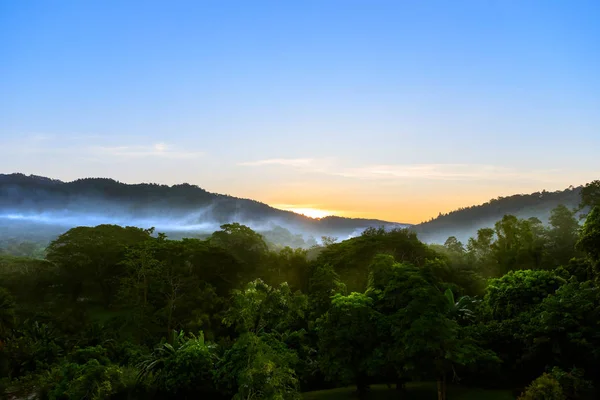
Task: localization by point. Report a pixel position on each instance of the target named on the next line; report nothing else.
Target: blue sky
(390, 109)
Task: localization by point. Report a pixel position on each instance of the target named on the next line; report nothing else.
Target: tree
(164, 288)
(7, 313)
(460, 310)
(419, 335)
(350, 323)
(260, 308)
(518, 291)
(183, 368)
(589, 240)
(480, 252)
(259, 367)
(565, 328)
(519, 243)
(351, 258)
(89, 259)
(562, 236)
(454, 245)
(543, 388)
(590, 195)
(323, 285)
(248, 247)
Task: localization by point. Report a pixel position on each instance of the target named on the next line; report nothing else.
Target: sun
(310, 212)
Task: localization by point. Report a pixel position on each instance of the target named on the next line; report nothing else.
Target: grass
(416, 391)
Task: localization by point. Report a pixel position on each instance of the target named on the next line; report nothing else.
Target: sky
(397, 110)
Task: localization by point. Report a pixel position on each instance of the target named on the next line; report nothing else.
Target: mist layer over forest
(40, 208)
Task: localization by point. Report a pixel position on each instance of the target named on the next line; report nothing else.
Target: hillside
(43, 206)
(464, 222)
(39, 208)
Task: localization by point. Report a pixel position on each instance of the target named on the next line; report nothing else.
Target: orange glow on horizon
(308, 210)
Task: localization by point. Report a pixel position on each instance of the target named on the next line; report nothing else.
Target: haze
(377, 109)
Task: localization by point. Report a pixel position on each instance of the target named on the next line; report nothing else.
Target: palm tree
(461, 310)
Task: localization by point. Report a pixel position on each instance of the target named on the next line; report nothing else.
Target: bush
(184, 368)
(546, 387)
(572, 383)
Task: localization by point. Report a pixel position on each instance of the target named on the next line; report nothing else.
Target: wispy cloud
(156, 150)
(289, 162)
(392, 172)
(432, 171)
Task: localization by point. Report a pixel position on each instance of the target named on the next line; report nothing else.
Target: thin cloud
(394, 172)
(157, 150)
(445, 172)
(289, 162)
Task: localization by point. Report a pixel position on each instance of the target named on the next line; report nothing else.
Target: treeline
(126, 313)
(465, 221)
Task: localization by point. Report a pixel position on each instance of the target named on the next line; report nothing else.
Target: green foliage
(480, 251)
(259, 367)
(262, 309)
(519, 243)
(323, 285)
(517, 291)
(573, 383)
(110, 293)
(89, 259)
(562, 236)
(454, 245)
(7, 313)
(351, 258)
(184, 367)
(590, 195)
(543, 388)
(246, 245)
(589, 241)
(350, 323)
(565, 328)
(86, 374)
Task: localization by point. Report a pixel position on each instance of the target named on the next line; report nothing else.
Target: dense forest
(112, 312)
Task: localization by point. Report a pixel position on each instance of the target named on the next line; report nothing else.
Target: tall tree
(347, 337)
(562, 236)
(89, 259)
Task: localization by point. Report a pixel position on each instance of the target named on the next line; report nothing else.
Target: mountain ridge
(187, 205)
(33, 194)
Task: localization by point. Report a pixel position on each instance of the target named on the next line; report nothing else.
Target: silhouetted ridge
(21, 194)
(464, 222)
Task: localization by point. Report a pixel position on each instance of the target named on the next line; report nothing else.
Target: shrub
(546, 387)
(572, 383)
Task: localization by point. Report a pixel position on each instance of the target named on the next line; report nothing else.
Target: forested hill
(184, 207)
(464, 222)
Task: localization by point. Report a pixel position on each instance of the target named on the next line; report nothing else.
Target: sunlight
(310, 212)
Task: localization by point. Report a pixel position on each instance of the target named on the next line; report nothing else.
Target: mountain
(42, 205)
(464, 222)
(40, 208)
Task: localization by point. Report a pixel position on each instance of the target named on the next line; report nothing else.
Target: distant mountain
(43, 204)
(43, 208)
(464, 222)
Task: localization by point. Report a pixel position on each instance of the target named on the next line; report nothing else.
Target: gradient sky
(389, 109)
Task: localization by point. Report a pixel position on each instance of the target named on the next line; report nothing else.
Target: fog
(175, 223)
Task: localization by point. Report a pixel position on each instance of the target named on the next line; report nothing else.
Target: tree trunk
(401, 388)
(444, 386)
(362, 386)
(441, 387)
(400, 383)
